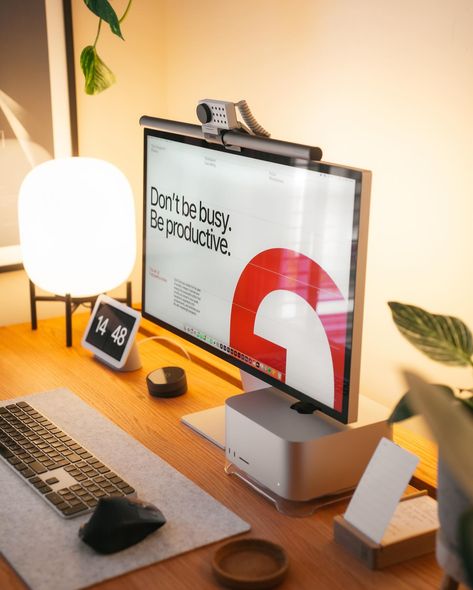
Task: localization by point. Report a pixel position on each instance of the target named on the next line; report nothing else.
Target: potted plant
(449, 414)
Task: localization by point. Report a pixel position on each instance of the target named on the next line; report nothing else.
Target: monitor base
(208, 423)
(211, 423)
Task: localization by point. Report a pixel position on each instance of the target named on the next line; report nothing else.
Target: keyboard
(63, 472)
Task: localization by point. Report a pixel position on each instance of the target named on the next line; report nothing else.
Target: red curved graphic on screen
(276, 269)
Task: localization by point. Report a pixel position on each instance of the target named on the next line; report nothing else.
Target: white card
(380, 489)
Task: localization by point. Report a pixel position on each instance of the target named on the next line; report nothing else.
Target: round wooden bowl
(250, 564)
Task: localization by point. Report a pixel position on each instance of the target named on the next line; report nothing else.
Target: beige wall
(380, 85)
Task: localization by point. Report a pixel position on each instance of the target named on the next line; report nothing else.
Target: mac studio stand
(298, 461)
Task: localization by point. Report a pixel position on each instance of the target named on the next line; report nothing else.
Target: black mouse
(118, 523)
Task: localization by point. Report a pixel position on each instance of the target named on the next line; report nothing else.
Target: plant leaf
(450, 423)
(104, 10)
(468, 403)
(404, 407)
(97, 75)
(445, 339)
(465, 534)
(402, 410)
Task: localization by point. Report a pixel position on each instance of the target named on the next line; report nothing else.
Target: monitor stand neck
(211, 423)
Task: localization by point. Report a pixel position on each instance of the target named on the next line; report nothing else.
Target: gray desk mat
(45, 549)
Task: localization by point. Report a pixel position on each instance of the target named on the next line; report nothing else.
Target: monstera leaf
(445, 339)
(97, 75)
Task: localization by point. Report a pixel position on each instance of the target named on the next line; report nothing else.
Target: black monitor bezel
(316, 166)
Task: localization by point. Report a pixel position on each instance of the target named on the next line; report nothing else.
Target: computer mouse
(118, 523)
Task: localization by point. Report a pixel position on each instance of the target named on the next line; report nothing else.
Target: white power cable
(173, 342)
(250, 120)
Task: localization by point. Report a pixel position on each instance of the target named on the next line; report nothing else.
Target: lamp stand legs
(71, 304)
(68, 319)
(34, 318)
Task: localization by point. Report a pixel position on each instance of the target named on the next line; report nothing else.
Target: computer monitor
(260, 260)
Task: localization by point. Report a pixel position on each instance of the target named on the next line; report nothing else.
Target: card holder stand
(377, 556)
(287, 507)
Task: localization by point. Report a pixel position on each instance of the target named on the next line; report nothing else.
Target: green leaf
(103, 9)
(402, 411)
(445, 339)
(465, 534)
(450, 423)
(97, 75)
(468, 403)
(404, 408)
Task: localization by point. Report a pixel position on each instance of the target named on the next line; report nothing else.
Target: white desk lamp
(77, 231)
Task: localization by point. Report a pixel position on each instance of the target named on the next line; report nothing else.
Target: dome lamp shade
(77, 226)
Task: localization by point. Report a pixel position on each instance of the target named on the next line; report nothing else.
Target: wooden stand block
(376, 556)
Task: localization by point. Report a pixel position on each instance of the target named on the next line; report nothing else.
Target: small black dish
(167, 382)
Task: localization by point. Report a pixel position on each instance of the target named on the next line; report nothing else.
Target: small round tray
(250, 563)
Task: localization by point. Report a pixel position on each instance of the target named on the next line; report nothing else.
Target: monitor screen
(260, 260)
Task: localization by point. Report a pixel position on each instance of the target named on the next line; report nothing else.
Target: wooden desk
(39, 361)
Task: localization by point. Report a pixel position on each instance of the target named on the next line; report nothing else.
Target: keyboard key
(74, 509)
(128, 490)
(27, 473)
(54, 498)
(20, 466)
(62, 463)
(36, 466)
(4, 452)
